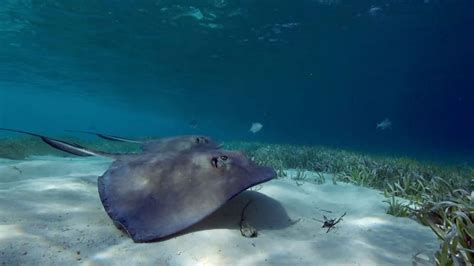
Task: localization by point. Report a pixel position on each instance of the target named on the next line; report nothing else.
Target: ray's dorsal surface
(157, 195)
(180, 143)
(177, 143)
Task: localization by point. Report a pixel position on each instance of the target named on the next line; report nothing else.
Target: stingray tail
(64, 146)
(107, 137)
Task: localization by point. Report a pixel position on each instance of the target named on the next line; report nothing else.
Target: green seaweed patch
(24, 147)
(397, 208)
(439, 196)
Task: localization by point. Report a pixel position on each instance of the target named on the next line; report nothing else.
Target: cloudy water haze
(311, 71)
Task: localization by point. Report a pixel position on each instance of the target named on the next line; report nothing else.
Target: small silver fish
(385, 124)
(256, 127)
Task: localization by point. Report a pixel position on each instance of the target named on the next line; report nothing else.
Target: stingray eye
(219, 162)
(198, 140)
(215, 162)
(206, 140)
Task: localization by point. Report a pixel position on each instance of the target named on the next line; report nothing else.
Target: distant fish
(256, 127)
(191, 12)
(375, 10)
(385, 124)
(193, 124)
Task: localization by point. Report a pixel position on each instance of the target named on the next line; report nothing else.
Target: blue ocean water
(316, 72)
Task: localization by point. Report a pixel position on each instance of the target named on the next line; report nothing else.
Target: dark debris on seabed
(330, 223)
(246, 229)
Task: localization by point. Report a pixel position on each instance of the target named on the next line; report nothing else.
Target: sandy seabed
(50, 214)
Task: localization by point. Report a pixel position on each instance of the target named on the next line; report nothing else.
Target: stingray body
(156, 195)
(170, 186)
(178, 143)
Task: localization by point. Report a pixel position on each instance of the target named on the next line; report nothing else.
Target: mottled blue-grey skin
(170, 144)
(174, 183)
(155, 195)
(179, 143)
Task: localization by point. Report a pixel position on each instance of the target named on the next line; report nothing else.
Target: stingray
(164, 144)
(154, 195)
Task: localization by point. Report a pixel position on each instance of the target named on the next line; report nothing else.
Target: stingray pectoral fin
(107, 137)
(64, 146)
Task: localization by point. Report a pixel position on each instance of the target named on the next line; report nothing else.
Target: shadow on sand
(263, 213)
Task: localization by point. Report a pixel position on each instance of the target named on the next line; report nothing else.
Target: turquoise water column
(3, 107)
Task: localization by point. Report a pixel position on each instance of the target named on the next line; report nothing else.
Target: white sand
(50, 214)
